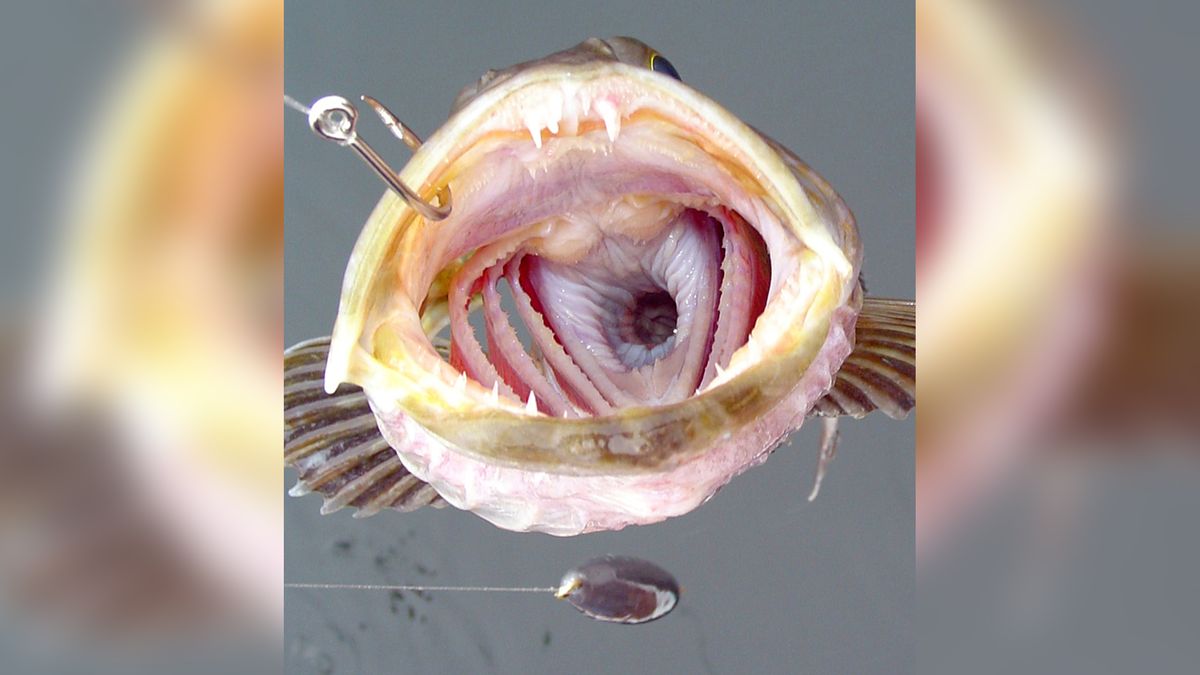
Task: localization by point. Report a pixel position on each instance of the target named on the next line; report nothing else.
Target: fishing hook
(334, 118)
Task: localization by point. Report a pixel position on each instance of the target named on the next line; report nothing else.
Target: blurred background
(771, 582)
(140, 524)
(1057, 284)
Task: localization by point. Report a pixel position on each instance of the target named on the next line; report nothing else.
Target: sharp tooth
(570, 116)
(753, 348)
(461, 383)
(611, 116)
(553, 126)
(535, 132)
(496, 392)
(720, 371)
(531, 404)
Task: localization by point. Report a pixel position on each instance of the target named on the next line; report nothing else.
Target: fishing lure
(616, 589)
(620, 589)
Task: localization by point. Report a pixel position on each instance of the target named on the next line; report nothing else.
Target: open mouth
(639, 250)
(634, 280)
(619, 249)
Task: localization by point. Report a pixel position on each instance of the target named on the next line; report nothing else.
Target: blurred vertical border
(140, 524)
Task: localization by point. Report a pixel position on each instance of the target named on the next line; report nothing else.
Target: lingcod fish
(635, 297)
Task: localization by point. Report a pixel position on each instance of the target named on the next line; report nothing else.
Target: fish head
(687, 288)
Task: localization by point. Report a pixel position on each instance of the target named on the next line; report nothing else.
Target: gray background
(772, 583)
(1087, 563)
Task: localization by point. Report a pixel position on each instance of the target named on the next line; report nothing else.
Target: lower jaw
(566, 505)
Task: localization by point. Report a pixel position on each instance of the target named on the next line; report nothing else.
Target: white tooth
(753, 348)
(461, 383)
(553, 126)
(570, 116)
(531, 404)
(611, 116)
(720, 371)
(496, 392)
(535, 132)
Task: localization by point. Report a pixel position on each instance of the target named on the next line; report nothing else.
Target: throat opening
(646, 328)
(633, 275)
(652, 318)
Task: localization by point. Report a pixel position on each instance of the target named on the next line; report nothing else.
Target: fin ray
(881, 373)
(334, 444)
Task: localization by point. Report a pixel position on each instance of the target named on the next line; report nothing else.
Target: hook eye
(334, 118)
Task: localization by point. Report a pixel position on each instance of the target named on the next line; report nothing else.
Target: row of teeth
(565, 115)
(460, 385)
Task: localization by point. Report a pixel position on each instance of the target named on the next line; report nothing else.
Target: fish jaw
(567, 505)
(395, 234)
(518, 137)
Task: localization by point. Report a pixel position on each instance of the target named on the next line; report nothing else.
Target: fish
(664, 294)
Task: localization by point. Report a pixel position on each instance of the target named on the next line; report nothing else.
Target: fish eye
(660, 64)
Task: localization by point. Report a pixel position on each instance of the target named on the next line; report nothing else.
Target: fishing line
(385, 587)
(294, 104)
(609, 588)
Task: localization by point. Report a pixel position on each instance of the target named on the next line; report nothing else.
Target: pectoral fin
(881, 372)
(334, 443)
